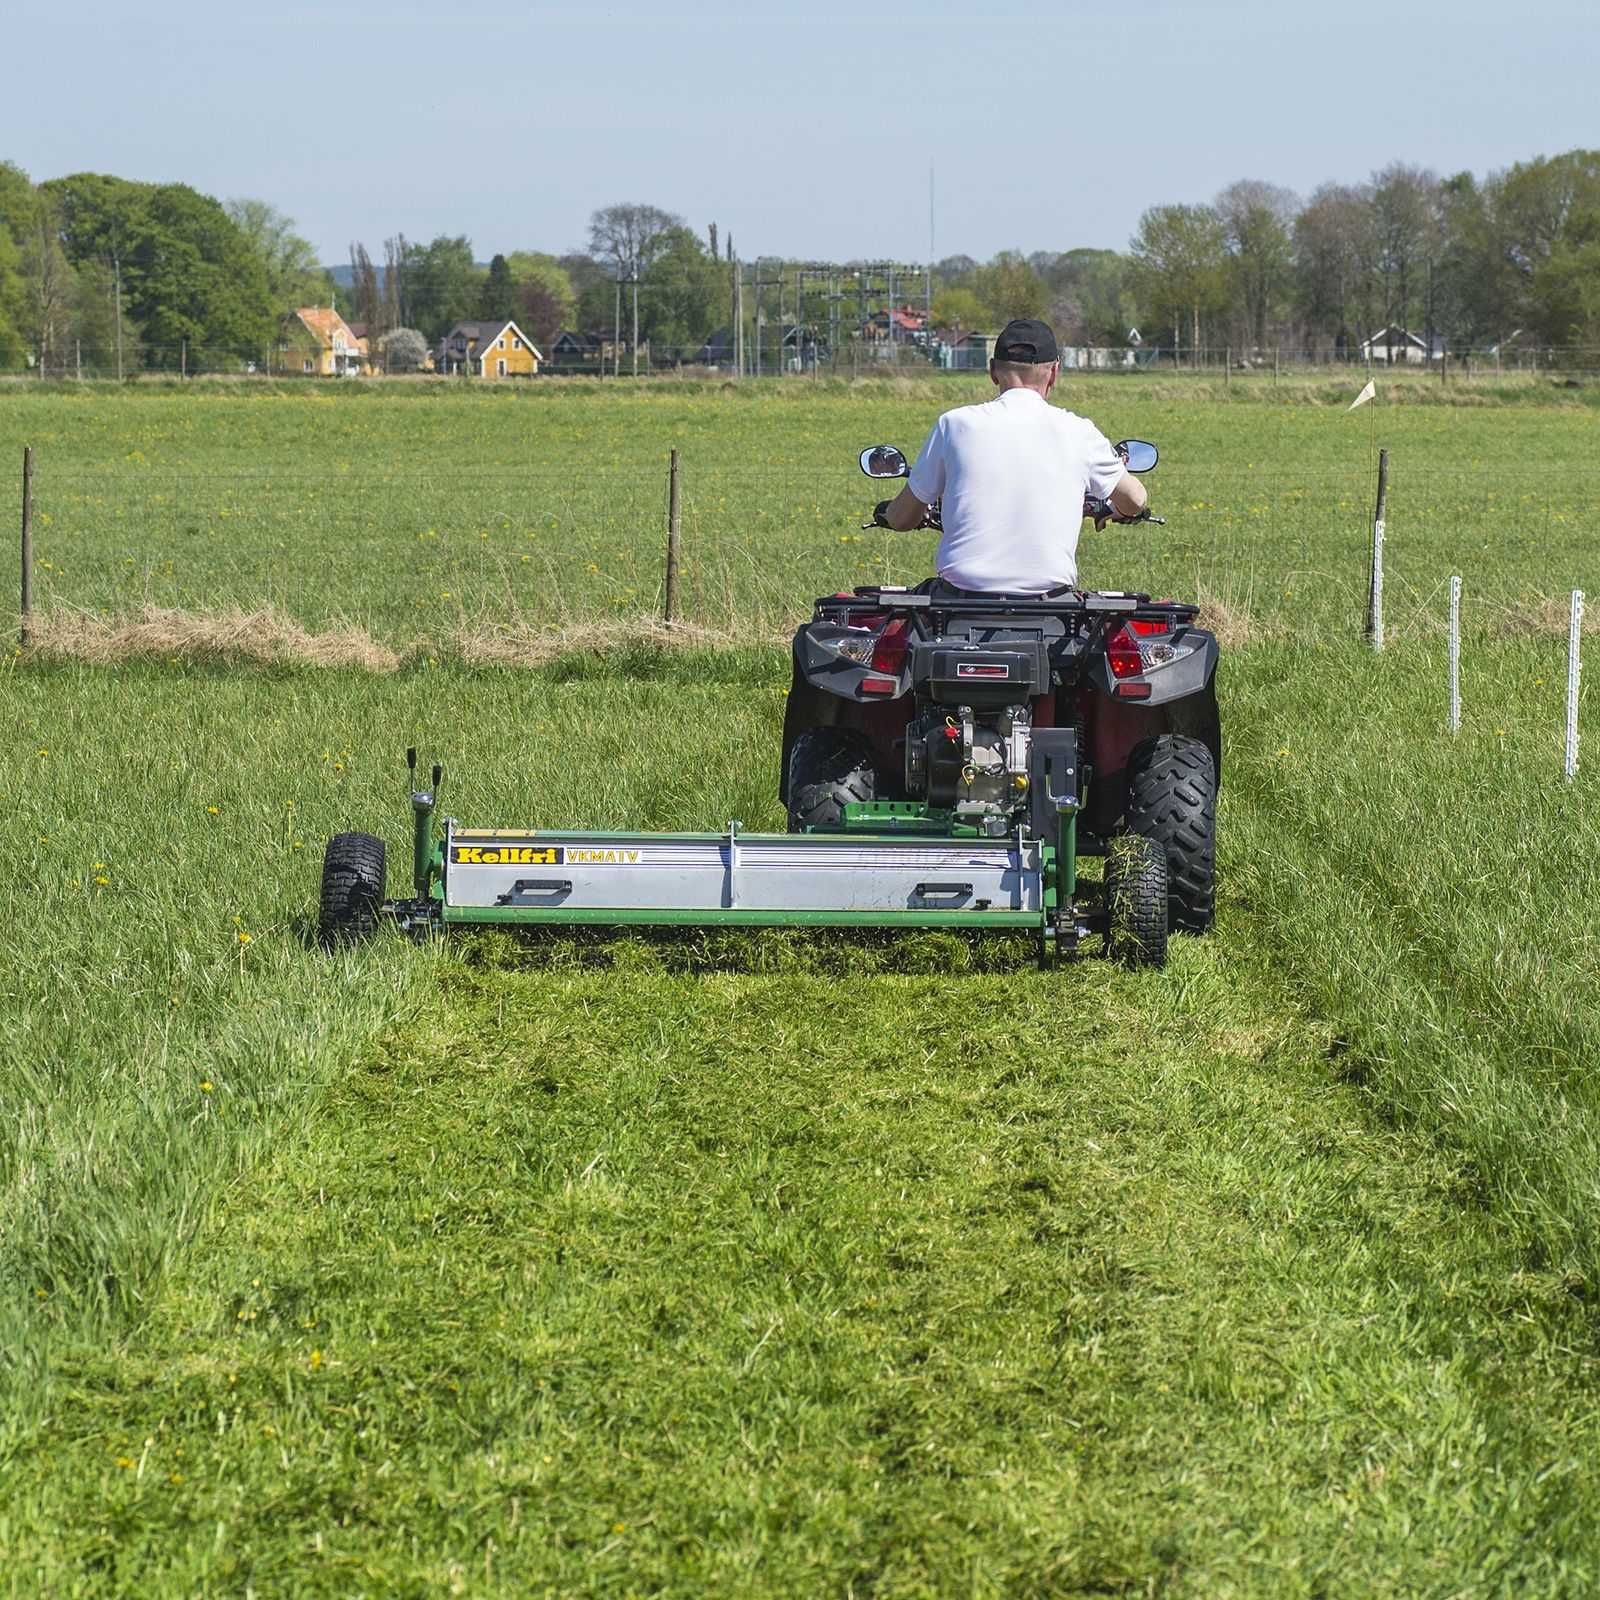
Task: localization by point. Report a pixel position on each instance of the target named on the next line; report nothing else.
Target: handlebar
(1100, 510)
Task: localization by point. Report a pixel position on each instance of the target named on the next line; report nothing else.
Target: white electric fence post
(1375, 582)
(1574, 673)
(1455, 655)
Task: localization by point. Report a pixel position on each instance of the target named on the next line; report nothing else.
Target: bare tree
(1256, 217)
(630, 237)
(49, 288)
(369, 306)
(1405, 214)
(394, 300)
(1335, 264)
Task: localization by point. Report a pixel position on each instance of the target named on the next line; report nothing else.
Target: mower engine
(974, 769)
(968, 749)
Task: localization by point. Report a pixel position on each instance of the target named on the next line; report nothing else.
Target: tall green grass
(1433, 895)
(421, 516)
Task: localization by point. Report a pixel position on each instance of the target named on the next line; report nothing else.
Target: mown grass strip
(638, 1279)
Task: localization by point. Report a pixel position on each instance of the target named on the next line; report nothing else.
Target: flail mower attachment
(887, 866)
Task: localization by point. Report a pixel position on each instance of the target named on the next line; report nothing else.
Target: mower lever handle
(942, 891)
(551, 888)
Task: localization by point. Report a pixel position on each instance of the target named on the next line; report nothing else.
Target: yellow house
(316, 341)
(489, 348)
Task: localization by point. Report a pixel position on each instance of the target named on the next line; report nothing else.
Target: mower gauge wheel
(1136, 901)
(354, 874)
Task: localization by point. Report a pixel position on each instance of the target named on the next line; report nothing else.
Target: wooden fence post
(27, 544)
(1375, 579)
(674, 528)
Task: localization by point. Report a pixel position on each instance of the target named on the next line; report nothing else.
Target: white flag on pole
(1369, 393)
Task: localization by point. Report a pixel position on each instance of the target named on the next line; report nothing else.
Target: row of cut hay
(234, 636)
(265, 637)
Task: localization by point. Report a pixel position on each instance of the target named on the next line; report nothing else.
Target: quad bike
(946, 760)
(1073, 723)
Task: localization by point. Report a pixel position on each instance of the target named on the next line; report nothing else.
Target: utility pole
(738, 317)
(636, 319)
(116, 264)
(616, 332)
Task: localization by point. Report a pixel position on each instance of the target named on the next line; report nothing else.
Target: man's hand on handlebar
(880, 516)
(1103, 512)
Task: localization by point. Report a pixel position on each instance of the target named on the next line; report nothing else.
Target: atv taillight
(1138, 647)
(871, 685)
(889, 653)
(1122, 653)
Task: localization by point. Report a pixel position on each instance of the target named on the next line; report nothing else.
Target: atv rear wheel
(354, 874)
(1136, 901)
(828, 769)
(1172, 800)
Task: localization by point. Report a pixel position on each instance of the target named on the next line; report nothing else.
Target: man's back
(1011, 475)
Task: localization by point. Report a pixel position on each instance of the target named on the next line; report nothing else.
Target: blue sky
(806, 130)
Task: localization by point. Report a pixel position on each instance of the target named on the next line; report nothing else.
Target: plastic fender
(1190, 676)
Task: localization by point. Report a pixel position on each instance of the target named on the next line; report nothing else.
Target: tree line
(1457, 260)
(94, 263)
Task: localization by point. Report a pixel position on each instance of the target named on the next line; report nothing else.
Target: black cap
(1025, 339)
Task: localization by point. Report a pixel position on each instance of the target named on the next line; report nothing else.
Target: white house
(1399, 345)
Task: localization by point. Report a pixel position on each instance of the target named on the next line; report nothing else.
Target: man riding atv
(998, 697)
(1011, 475)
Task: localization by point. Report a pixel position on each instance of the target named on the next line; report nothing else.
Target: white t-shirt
(1011, 475)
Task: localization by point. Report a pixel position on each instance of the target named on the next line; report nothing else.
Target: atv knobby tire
(1136, 901)
(1172, 800)
(828, 768)
(354, 873)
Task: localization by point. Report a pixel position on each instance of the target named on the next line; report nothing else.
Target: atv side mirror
(1138, 454)
(884, 461)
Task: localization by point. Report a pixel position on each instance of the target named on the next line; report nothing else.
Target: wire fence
(775, 356)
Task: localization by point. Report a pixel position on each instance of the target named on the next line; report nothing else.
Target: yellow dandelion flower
(316, 1360)
(101, 879)
(211, 811)
(206, 1086)
(244, 938)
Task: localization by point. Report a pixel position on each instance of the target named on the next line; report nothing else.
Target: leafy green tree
(1540, 225)
(294, 276)
(16, 206)
(441, 285)
(541, 280)
(188, 273)
(681, 301)
(961, 311)
(1180, 255)
(1009, 287)
(1091, 297)
(497, 297)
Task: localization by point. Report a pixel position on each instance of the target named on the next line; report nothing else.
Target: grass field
(766, 1265)
(430, 516)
